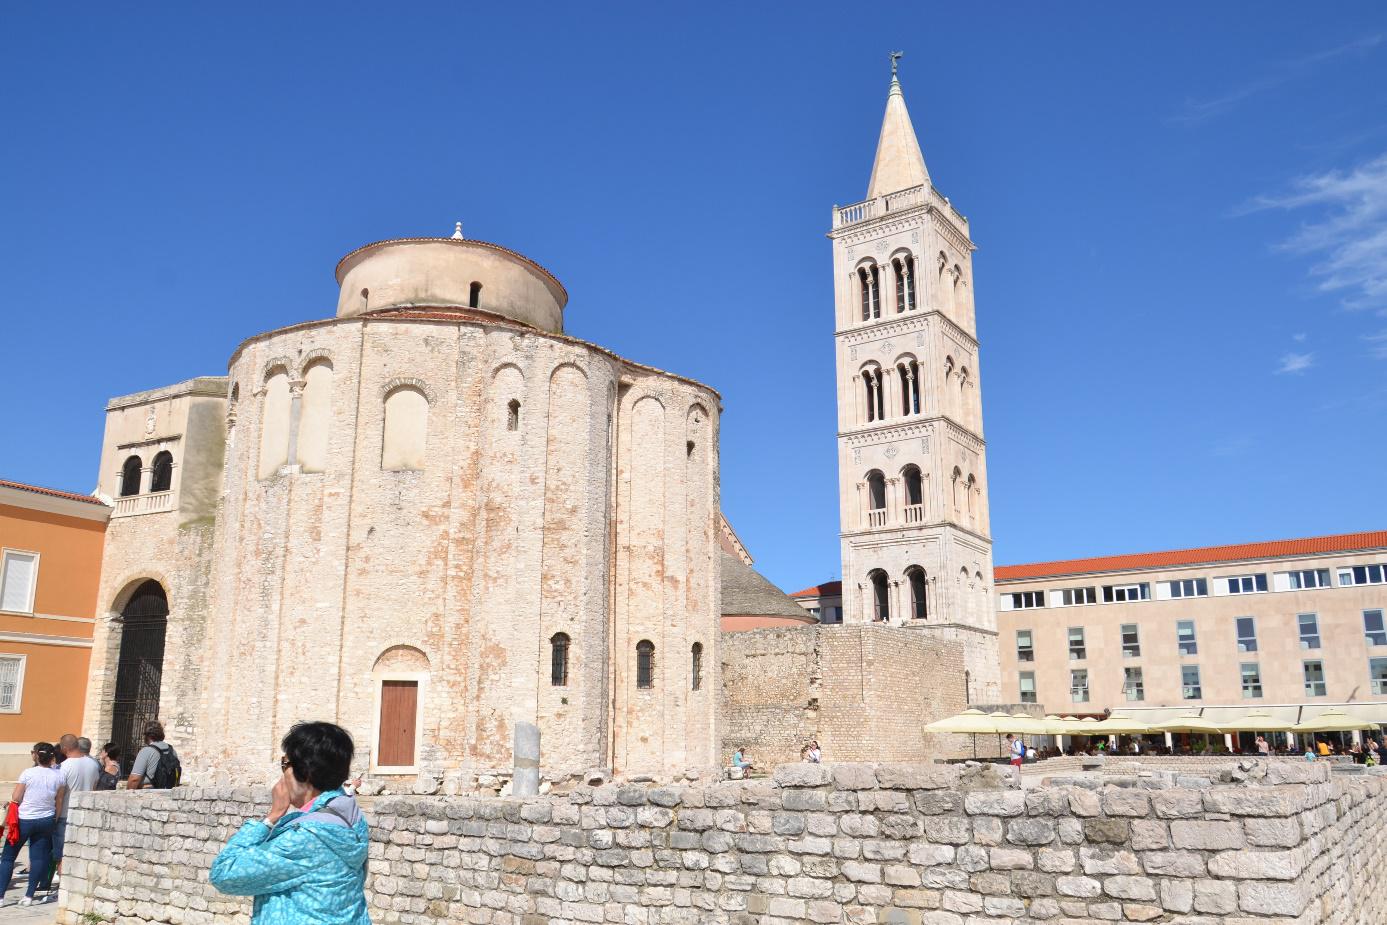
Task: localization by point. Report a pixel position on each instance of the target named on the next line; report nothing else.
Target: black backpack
(168, 771)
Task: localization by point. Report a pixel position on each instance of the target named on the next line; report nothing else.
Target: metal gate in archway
(140, 669)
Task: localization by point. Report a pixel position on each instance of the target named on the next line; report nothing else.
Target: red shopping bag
(12, 824)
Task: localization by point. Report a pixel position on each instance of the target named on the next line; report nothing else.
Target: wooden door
(399, 703)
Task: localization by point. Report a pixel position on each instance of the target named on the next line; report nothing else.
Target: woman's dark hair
(112, 751)
(319, 753)
(45, 753)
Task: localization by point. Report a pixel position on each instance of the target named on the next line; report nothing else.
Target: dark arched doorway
(144, 621)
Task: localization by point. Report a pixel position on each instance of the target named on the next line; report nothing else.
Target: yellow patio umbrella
(969, 721)
(1259, 721)
(1333, 721)
(1117, 724)
(1190, 722)
(1023, 724)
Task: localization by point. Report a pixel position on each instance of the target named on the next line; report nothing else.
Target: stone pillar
(525, 782)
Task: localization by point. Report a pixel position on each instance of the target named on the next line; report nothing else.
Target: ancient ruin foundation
(1288, 842)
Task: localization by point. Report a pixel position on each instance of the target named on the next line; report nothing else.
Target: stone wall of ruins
(1278, 842)
(865, 692)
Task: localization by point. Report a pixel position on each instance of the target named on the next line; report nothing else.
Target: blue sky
(1181, 213)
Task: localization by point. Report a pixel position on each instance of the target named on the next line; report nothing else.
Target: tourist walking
(110, 767)
(157, 763)
(39, 795)
(306, 862)
(1016, 749)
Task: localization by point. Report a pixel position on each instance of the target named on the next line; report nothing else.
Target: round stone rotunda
(428, 518)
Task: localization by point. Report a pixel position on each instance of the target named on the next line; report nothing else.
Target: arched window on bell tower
(909, 372)
(919, 593)
(903, 268)
(875, 394)
(914, 495)
(869, 281)
(881, 596)
(876, 498)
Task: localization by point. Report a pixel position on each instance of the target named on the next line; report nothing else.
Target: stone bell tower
(917, 550)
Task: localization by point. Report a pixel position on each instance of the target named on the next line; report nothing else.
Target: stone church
(431, 516)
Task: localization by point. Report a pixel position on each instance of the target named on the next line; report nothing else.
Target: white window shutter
(17, 582)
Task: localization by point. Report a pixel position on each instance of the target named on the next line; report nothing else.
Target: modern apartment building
(1292, 626)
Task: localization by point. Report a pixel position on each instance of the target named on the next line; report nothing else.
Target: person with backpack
(156, 766)
(306, 861)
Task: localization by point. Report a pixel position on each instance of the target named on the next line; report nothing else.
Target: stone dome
(751, 601)
(449, 273)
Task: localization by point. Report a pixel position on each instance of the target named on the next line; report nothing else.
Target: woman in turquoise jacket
(305, 864)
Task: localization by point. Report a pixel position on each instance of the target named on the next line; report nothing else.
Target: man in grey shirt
(147, 761)
(80, 770)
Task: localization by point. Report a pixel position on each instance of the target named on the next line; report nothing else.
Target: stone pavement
(40, 914)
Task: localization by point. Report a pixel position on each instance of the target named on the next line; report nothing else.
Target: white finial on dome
(457, 231)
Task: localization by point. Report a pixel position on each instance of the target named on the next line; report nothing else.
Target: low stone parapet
(936, 844)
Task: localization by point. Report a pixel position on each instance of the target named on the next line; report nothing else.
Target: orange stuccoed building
(50, 566)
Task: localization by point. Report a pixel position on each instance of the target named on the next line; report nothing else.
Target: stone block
(935, 803)
(987, 830)
(1217, 897)
(1177, 895)
(1141, 912)
(1207, 836)
(995, 803)
(1084, 802)
(1149, 835)
(1263, 898)
(1010, 859)
(1142, 889)
(1178, 804)
(1107, 831)
(917, 776)
(1102, 860)
(1118, 801)
(1082, 887)
(803, 774)
(1174, 863)
(1056, 860)
(949, 830)
(1259, 865)
(1272, 833)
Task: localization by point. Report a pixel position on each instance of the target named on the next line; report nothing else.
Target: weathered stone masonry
(844, 843)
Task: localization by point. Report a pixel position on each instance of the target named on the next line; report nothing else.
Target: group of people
(37, 814)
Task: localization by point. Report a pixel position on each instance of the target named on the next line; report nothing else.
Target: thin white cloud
(1299, 338)
(1377, 344)
(1347, 235)
(1197, 111)
(1295, 363)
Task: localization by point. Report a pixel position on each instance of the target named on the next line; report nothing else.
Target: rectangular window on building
(1189, 682)
(1023, 600)
(1252, 680)
(1306, 579)
(1246, 584)
(833, 615)
(1073, 597)
(1027, 686)
(11, 682)
(1025, 651)
(1314, 678)
(1132, 687)
(1077, 649)
(1247, 634)
(19, 572)
(1078, 685)
(1189, 587)
(1184, 638)
(1362, 575)
(1121, 594)
(1309, 630)
(1377, 671)
(1372, 628)
(1131, 641)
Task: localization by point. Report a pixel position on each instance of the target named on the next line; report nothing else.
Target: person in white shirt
(40, 794)
(80, 771)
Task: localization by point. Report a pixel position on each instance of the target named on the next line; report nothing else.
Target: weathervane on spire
(457, 231)
(895, 57)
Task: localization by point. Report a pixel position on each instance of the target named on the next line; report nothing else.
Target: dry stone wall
(865, 692)
(943, 845)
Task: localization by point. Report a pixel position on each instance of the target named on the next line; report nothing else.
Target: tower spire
(899, 162)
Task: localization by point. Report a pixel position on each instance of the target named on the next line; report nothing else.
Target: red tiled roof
(1342, 542)
(53, 492)
(827, 589)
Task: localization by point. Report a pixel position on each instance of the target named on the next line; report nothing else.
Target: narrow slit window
(645, 664)
(513, 415)
(474, 296)
(558, 660)
(696, 666)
